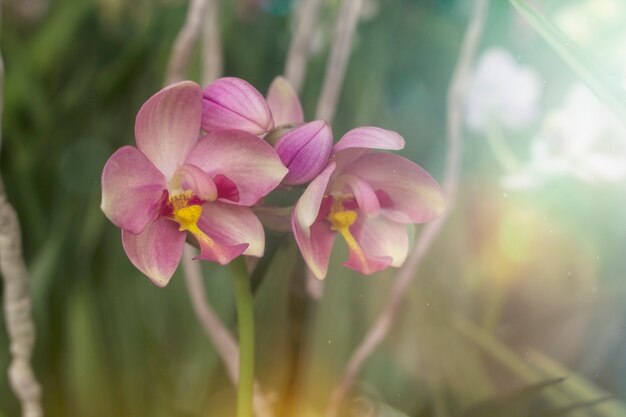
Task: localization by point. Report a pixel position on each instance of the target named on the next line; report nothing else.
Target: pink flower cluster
(205, 157)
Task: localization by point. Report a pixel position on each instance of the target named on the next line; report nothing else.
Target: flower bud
(304, 150)
(284, 103)
(232, 103)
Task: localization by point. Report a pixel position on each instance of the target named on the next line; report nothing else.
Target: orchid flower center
(187, 213)
(341, 220)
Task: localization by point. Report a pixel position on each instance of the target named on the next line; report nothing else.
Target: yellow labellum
(188, 216)
(341, 220)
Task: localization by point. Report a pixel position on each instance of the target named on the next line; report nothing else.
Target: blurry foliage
(111, 344)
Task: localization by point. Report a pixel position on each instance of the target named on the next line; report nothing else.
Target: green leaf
(566, 410)
(536, 366)
(605, 88)
(513, 403)
(577, 386)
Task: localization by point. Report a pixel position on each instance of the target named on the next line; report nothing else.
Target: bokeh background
(525, 285)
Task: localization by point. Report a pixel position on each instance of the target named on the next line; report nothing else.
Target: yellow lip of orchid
(341, 220)
(187, 216)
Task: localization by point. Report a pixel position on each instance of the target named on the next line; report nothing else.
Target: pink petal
(232, 103)
(366, 265)
(245, 159)
(284, 103)
(157, 250)
(226, 188)
(190, 177)
(315, 243)
(364, 194)
(382, 238)
(168, 125)
(305, 151)
(370, 138)
(232, 225)
(346, 157)
(308, 206)
(407, 193)
(132, 189)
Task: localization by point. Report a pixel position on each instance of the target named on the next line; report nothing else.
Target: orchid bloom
(367, 198)
(304, 148)
(176, 181)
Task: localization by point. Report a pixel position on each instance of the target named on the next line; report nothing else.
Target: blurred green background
(523, 286)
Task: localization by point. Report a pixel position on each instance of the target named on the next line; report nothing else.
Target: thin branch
(345, 27)
(17, 301)
(185, 41)
(299, 49)
(222, 339)
(212, 61)
(383, 323)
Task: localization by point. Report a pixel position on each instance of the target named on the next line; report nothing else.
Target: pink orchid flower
(304, 148)
(175, 182)
(367, 198)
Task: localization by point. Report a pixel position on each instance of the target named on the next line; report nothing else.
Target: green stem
(245, 318)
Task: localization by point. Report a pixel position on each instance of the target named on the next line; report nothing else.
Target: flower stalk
(245, 320)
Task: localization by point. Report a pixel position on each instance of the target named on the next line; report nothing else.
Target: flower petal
(364, 263)
(245, 159)
(226, 188)
(406, 192)
(232, 225)
(305, 151)
(190, 177)
(284, 103)
(168, 125)
(132, 189)
(370, 138)
(232, 103)
(156, 251)
(382, 238)
(315, 243)
(364, 194)
(308, 206)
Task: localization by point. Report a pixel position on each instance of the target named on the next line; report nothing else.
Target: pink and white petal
(190, 177)
(308, 206)
(305, 150)
(132, 189)
(370, 138)
(248, 161)
(315, 243)
(345, 158)
(284, 103)
(232, 225)
(168, 125)
(365, 264)
(364, 194)
(232, 103)
(380, 237)
(407, 193)
(213, 251)
(156, 251)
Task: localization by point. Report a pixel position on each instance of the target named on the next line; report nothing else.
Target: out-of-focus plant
(502, 92)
